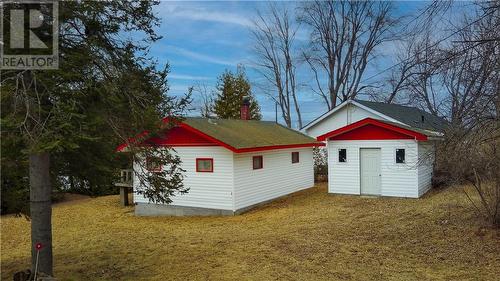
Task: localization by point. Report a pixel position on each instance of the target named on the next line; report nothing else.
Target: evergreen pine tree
(231, 89)
(68, 121)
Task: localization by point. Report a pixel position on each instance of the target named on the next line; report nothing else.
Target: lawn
(310, 235)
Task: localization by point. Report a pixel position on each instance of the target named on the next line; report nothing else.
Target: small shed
(378, 149)
(233, 165)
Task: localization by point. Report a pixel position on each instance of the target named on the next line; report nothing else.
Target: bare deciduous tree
(421, 87)
(344, 36)
(455, 80)
(403, 70)
(274, 36)
(205, 98)
(460, 79)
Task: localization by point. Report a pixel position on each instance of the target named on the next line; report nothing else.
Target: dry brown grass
(309, 235)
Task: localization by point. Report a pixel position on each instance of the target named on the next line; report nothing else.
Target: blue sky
(202, 39)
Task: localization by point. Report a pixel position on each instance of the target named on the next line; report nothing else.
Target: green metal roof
(244, 134)
(411, 116)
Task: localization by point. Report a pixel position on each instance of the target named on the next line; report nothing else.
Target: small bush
(320, 156)
(472, 155)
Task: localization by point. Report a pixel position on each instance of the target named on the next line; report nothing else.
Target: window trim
(298, 157)
(261, 162)
(396, 156)
(338, 155)
(204, 159)
(155, 170)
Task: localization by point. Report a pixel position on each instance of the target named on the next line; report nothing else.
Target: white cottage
(233, 165)
(378, 148)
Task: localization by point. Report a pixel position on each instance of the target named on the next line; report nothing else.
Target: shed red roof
(373, 129)
(236, 135)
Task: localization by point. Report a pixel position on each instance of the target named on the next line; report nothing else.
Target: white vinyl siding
(397, 179)
(344, 116)
(207, 190)
(234, 184)
(278, 177)
(425, 166)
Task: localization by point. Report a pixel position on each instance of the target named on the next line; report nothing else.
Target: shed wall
(400, 180)
(207, 190)
(344, 116)
(425, 166)
(278, 177)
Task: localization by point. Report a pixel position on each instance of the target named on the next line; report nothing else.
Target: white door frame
(377, 191)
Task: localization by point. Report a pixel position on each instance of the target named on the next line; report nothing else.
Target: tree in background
(205, 99)
(320, 158)
(276, 59)
(59, 122)
(344, 35)
(14, 183)
(460, 81)
(231, 89)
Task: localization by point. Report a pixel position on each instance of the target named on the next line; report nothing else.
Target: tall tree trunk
(297, 109)
(41, 211)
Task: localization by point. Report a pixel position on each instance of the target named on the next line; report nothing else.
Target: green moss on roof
(248, 133)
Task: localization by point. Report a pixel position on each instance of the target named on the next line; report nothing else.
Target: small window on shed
(153, 164)
(204, 165)
(400, 155)
(342, 155)
(295, 157)
(258, 162)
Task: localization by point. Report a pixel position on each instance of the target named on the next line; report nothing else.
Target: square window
(258, 162)
(342, 155)
(295, 157)
(400, 155)
(153, 164)
(205, 165)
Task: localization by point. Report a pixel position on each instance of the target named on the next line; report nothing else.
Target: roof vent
(423, 119)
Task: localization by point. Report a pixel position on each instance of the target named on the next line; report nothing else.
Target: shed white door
(370, 171)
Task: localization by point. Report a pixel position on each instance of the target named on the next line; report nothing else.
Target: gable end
(372, 129)
(371, 132)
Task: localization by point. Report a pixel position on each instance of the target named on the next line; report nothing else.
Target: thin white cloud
(198, 56)
(188, 77)
(188, 12)
(178, 89)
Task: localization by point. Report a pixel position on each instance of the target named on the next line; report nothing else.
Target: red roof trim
(122, 146)
(223, 144)
(366, 121)
(272, 147)
(250, 149)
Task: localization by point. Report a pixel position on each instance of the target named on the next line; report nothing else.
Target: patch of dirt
(71, 198)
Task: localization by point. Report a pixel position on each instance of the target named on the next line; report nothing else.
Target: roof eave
(340, 106)
(274, 147)
(325, 115)
(407, 131)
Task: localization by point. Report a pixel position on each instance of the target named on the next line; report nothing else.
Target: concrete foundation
(145, 209)
(152, 210)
